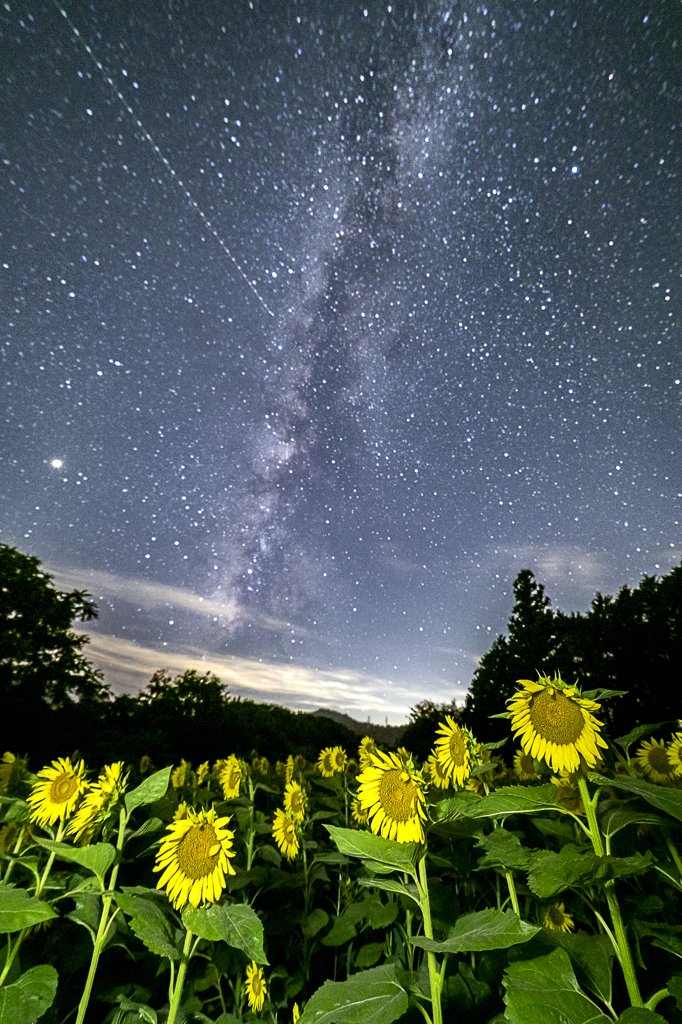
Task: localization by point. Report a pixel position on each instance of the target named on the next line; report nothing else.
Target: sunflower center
(556, 718)
(198, 851)
(526, 764)
(289, 831)
(63, 788)
(296, 803)
(659, 760)
(458, 749)
(556, 916)
(256, 985)
(397, 795)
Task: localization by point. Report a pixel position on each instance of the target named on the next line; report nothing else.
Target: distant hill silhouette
(388, 734)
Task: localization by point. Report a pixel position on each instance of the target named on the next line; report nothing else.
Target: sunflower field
(355, 890)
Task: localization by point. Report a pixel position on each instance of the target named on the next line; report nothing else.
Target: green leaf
(342, 931)
(30, 996)
(601, 694)
(235, 923)
(636, 734)
(312, 924)
(668, 800)
(149, 791)
(145, 1012)
(551, 873)
(97, 858)
(509, 800)
(396, 856)
(149, 923)
(369, 954)
(503, 850)
(18, 910)
(374, 996)
(592, 955)
(619, 817)
(483, 930)
(150, 825)
(545, 991)
(674, 987)
(640, 1015)
(87, 913)
(390, 886)
(622, 867)
(228, 1018)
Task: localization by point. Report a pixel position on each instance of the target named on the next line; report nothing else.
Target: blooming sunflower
(360, 816)
(202, 772)
(285, 834)
(367, 746)
(8, 770)
(555, 724)
(391, 790)
(256, 989)
(194, 858)
(437, 773)
(55, 798)
(331, 761)
(654, 758)
(453, 750)
(97, 803)
(230, 777)
(675, 752)
(295, 801)
(179, 775)
(524, 767)
(557, 920)
(567, 791)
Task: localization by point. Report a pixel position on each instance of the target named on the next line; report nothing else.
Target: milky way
(322, 325)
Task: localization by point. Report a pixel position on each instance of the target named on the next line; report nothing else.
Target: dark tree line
(55, 703)
(632, 642)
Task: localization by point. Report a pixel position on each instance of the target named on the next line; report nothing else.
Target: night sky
(321, 321)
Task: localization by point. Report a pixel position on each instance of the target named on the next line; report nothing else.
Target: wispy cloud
(128, 666)
(150, 596)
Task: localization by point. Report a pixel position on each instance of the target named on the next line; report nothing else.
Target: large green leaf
(545, 991)
(30, 996)
(503, 850)
(640, 1015)
(97, 858)
(551, 873)
(398, 856)
(636, 734)
(374, 996)
(235, 923)
(149, 791)
(18, 910)
(149, 923)
(592, 955)
(668, 800)
(505, 801)
(483, 930)
(390, 886)
(619, 817)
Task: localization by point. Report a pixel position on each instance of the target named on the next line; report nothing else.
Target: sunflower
(567, 792)
(675, 753)
(295, 801)
(295, 1014)
(360, 816)
(145, 764)
(55, 798)
(260, 766)
(289, 768)
(437, 773)
(285, 834)
(555, 724)
(179, 775)
(367, 746)
(8, 771)
(524, 767)
(230, 777)
(202, 772)
(180, 811)
(557, 920)
(391, 790)
(256, 989)
(453, 750)
(326, 765)
(98, 802)
(194, 858)
(654, 758)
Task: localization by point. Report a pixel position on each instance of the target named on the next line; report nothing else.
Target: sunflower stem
(434, 973)
(624, 954)
(180, 980)
(104, 922)
(512, 892)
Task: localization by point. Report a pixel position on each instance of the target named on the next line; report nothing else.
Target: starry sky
(322, 321)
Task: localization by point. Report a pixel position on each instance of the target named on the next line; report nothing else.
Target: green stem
(669, 842)
(104, 921)
(180, 980)
(434, 974)
(653, 1001)
(624, 954)
(512, 892)
(15, 854)
(251, 831)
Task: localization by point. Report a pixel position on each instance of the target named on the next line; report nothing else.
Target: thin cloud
(127, 667)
